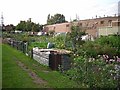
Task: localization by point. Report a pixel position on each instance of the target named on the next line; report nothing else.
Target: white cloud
(16, 10)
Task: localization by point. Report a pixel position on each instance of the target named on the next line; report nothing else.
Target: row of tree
(24, 26)
(31, 26)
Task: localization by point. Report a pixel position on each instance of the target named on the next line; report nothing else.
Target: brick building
(59, 28)
(94, 27)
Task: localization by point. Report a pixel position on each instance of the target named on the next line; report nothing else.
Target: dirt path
(32, 74)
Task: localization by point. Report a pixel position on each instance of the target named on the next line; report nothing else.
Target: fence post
(32, 53)
(17, 44)
(23, 47)
(26, 47)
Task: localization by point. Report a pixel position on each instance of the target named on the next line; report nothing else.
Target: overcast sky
(38, 10)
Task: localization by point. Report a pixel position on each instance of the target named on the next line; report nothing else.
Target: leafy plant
(92, 73)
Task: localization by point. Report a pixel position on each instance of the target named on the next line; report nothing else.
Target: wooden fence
(19, 45)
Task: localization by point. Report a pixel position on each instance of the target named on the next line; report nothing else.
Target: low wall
(41, 57)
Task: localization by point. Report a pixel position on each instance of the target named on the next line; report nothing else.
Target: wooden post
(31, 53)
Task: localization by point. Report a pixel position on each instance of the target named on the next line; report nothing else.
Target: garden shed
(54, 58)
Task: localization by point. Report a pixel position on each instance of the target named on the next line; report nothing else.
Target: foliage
(109, 45)
(68, 42)
(29, 26)
(93, 73)
(75, 37)
(59, 41)
(94, 49)
(21, 26)
(38, 44)
(112, 41)
(37, 27)
(9, 28)
(42, 41)
(57, 18)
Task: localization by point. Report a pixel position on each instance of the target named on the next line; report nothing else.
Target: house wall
(63, 27)
(109, 30)
(92, 32)
(99, 25)
(91, 25)
(98, 22)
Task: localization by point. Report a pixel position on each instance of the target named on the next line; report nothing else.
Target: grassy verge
(15, 77)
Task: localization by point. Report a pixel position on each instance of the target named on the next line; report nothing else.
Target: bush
(104, 45)
(38, 44)
(112, 41)
(59, 41)
(94, 73)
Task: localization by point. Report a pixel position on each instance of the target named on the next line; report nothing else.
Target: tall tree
(9, 28)
(37, 27)
(57, 18)
(75, 37)
(29, 26)
(21, 26)
(48, 17)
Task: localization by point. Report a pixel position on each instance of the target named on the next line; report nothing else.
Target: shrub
(104, 45)
(94, 73)
(40, 45)
(59, 42)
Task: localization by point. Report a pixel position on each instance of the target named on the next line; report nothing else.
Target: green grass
(15, 77)
(38, 44)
